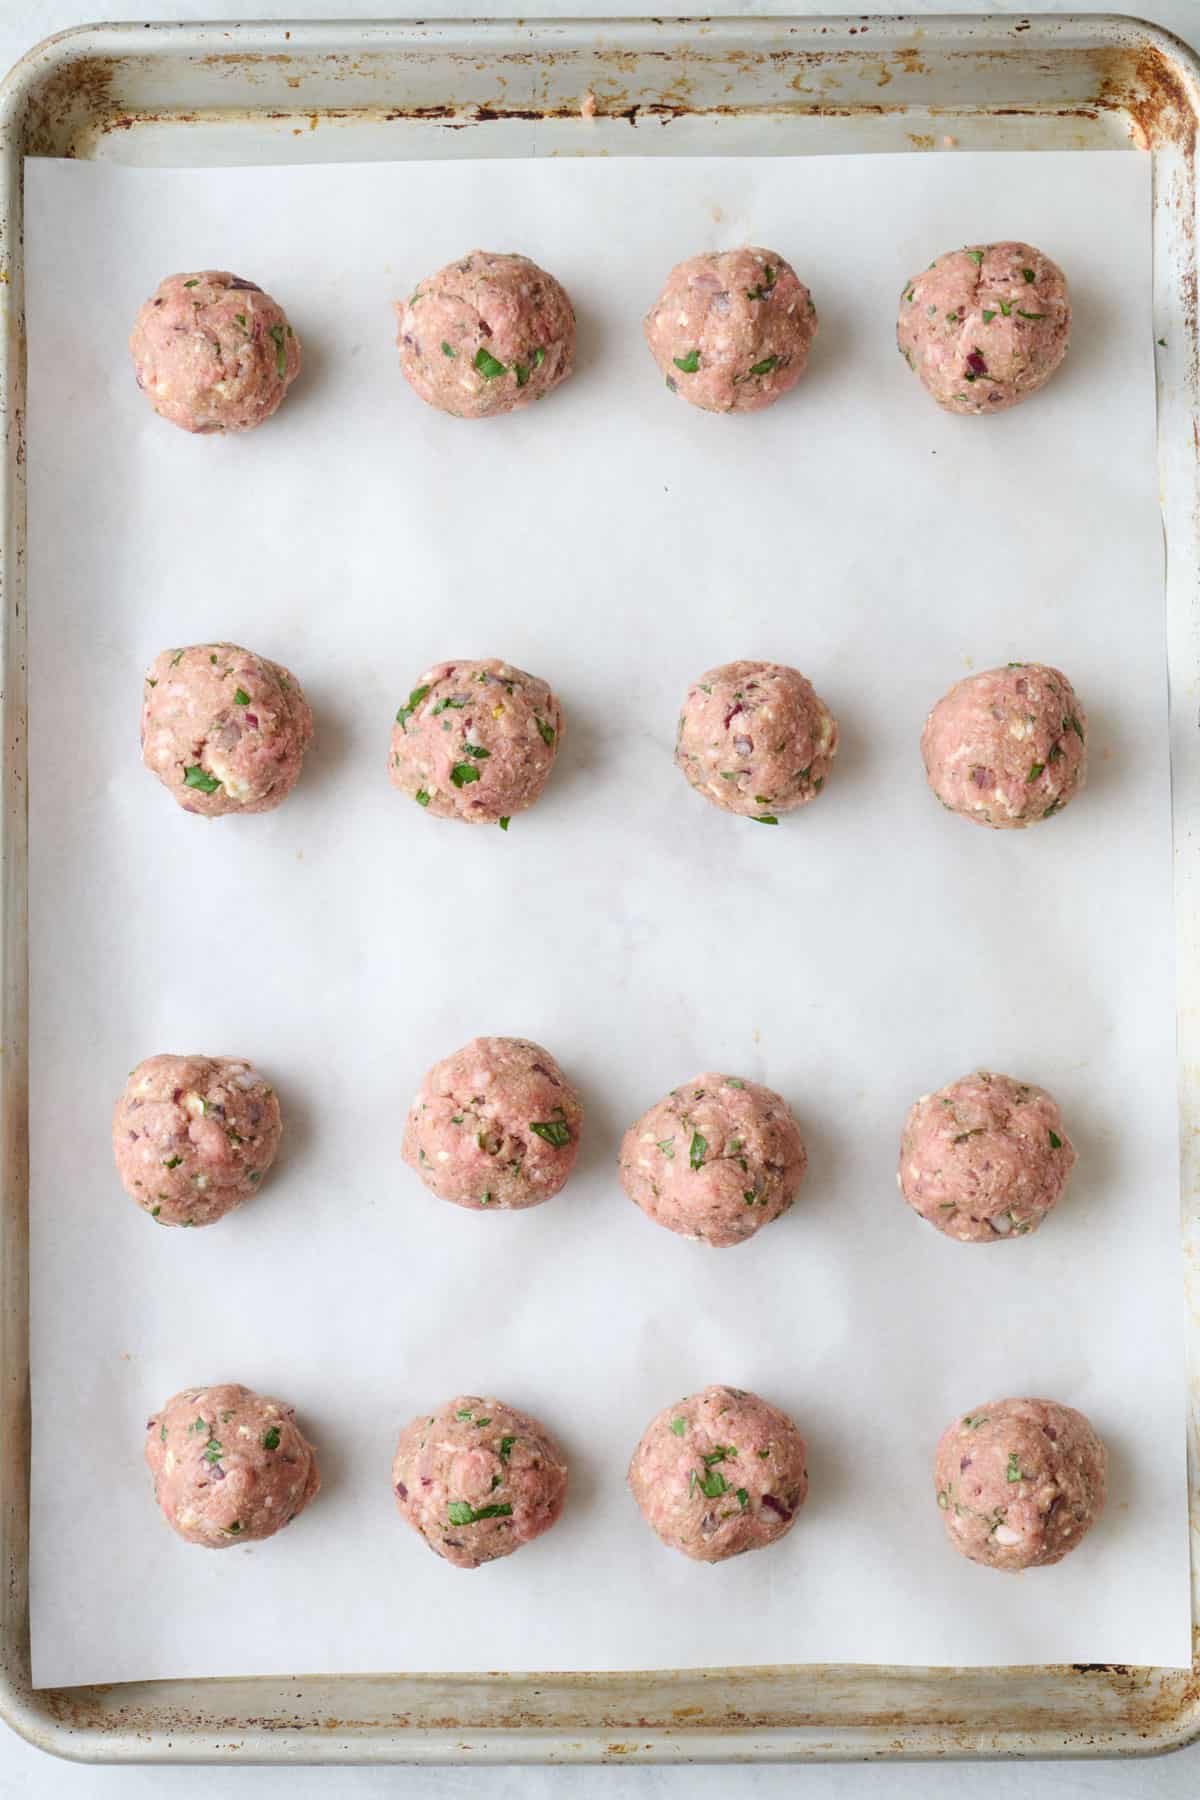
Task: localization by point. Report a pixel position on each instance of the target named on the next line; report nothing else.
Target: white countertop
(27, 1772)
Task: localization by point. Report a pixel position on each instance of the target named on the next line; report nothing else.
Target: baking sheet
(869, 949)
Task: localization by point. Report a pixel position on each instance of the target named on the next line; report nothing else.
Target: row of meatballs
(983, 327)
(496, 1127)
(225, 731)
(721, 1472)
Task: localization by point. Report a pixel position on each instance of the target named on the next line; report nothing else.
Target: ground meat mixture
(230, 1466)
(194, 1136)
(212, 352)
(486, 335)
(477, 1479)
(731, 330)
(985, 1159)
(476, 741)
(1007, 747)
(1019, 1482)
(496, 1125)
(224, 730)
(754, 738)
(717, 1159)
(720, 1473)
(985, 327)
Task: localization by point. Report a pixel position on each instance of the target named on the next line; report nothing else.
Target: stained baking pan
(272, 93)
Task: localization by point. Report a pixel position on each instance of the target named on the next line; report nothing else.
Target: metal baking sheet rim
(1100, 77)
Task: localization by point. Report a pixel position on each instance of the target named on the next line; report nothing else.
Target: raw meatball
(476, 741)
(1019, 1482)
(717, 1159)
(719, 1473)
(478, 1479)
(754, 738)
(1007, 747)
(496, 1124)
(224, 730)
(732, 329)
(193, 1136)
(486, 335)
(985, 327)
(229, 1465)
(212, 352)
(985, 1158)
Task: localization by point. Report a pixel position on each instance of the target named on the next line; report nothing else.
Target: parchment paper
(866, 951)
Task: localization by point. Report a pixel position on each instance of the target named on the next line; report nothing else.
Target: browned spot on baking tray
(420, 112)
(910, 61)
(78, 91)
(485, 114)
(1148, 88)
(1041, 112)
(236, 57)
